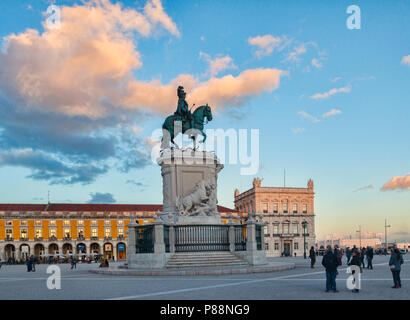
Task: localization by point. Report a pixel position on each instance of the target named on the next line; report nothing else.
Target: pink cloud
(217, 92)
(86, 67)
(331, 92)
(397, 182)
(155, 12)
(406, 60)
(218, 64)
(308, 116)
(331, 113)
(267, 44)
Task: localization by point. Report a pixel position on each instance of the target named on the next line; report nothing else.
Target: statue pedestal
(189, 184)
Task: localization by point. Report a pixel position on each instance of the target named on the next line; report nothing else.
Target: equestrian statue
(190, 123)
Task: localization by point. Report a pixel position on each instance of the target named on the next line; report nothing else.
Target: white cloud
(155, 12)
(298, 130)
(217, 64)
(267, 44)
(331, 113)
(308, 116)
(316, 63)
(336, 79)
(406, 60)
(294, 56)
(331, 92)
(74, 89)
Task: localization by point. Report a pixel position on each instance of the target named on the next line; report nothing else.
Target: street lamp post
(385, 234)
(360, 236)
(304, 224)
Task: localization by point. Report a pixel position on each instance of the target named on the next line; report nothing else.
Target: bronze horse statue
(199, 116)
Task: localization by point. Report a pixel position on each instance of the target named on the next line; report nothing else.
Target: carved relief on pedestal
(201, 202)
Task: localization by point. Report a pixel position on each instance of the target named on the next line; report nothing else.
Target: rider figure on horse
(183, 113)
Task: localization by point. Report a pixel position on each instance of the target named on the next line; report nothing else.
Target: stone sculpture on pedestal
(190, 221)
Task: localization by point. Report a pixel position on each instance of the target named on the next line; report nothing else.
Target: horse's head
(203, 112)
(208, 113)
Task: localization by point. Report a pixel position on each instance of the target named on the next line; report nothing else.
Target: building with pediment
(285, 212)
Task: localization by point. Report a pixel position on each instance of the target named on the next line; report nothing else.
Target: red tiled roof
(22, 207)
(88, 207)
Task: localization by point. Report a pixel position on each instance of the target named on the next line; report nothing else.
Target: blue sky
(350, 154)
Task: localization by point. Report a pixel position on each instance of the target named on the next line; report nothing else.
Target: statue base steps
(204, 259)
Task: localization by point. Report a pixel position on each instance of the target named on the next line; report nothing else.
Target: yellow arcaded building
(58, 230)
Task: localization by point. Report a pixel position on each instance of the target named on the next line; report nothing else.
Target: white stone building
(284, 211)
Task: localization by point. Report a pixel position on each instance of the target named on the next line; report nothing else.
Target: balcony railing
(107, 238)
(67, 238)
(80, 237)
(23, 239)
(121, 237)
(94, 238)
(39, 238)
(9, 239)
(53, 238)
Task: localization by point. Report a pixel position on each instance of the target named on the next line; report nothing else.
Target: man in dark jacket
(362, 255)
(330, 262)
(369, 254)
(348, 254)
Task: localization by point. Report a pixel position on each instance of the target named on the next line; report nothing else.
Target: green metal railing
(145, 238)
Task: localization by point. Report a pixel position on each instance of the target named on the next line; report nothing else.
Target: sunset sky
(79, 103)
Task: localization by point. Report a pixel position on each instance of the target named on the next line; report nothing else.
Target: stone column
(262, 224)
(171, 239)
(17, 253)
(131, 238)
(114, 249)
(250, 235)
(231, 235)
(159, 245)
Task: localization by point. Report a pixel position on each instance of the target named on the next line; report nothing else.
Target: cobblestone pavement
(299, 283)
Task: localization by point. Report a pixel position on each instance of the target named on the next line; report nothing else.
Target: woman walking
(312, 256)
(396, 260)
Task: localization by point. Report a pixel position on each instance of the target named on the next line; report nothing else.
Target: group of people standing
(332, 259)
(361, 254)
(31, 263)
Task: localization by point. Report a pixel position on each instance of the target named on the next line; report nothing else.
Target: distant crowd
(332, 259)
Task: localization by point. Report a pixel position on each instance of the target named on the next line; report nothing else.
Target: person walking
(28, 264)
(330, 263)
(312, 256)
(356, 262)
(338, 253)
(362, 255)
(395, 262)
(33, 263)
(348, 255)
(73, 262)
(370, 254)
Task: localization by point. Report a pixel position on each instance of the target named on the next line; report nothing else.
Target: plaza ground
(299, 283)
